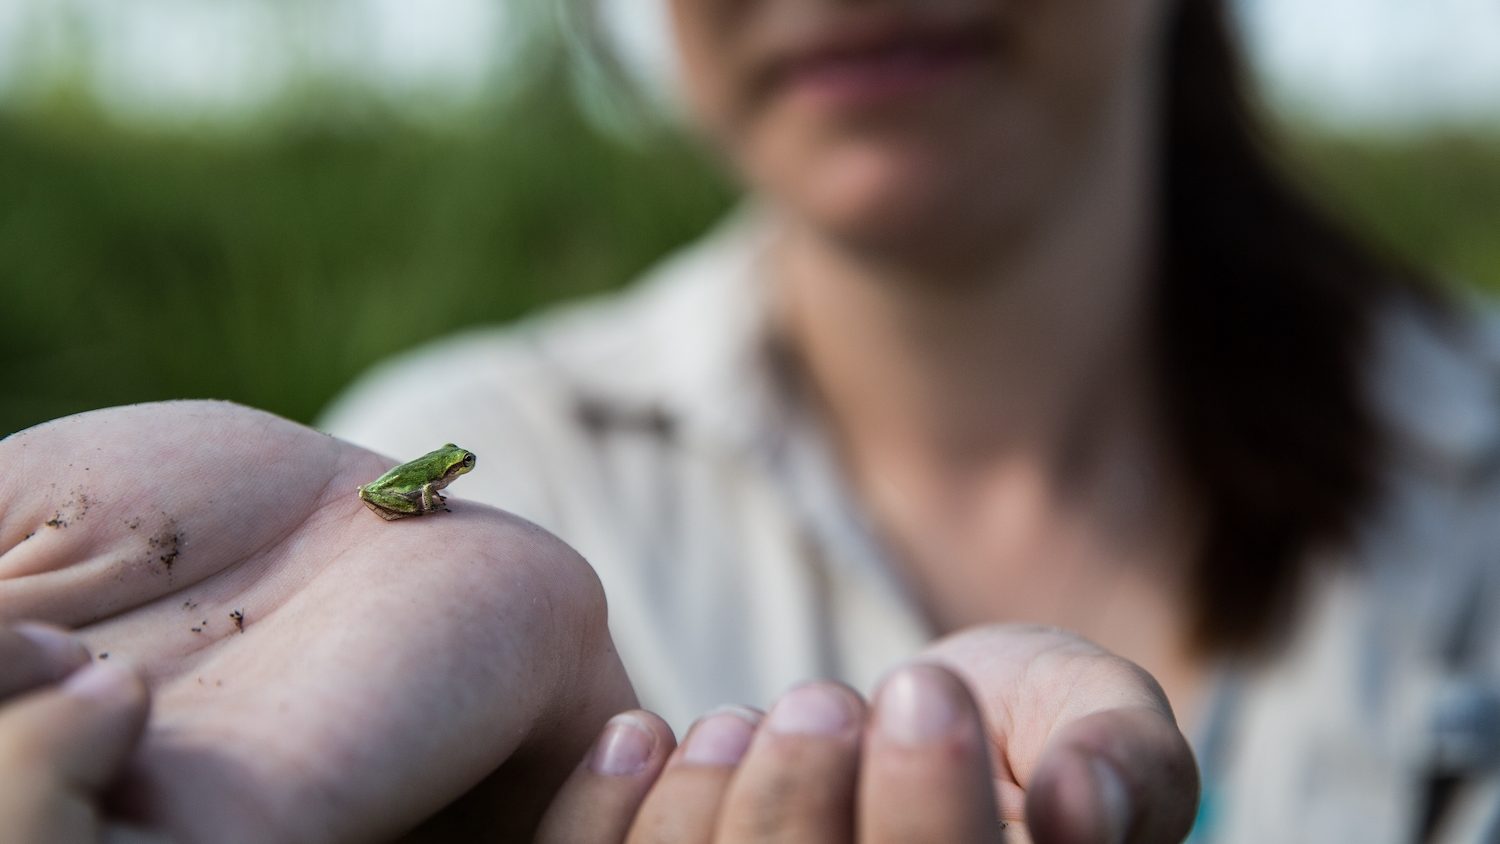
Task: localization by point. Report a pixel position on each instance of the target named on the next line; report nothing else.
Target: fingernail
(1114, 799)
(719, 739)
(101, 681)
(914, 707)
(57, 647)
(624, 748)
(814, 709)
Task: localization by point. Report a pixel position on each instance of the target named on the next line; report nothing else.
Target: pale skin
(472, 648)
(359, 635)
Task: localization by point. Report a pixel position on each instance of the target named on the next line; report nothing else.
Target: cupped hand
(1002, 734)
(318, 673)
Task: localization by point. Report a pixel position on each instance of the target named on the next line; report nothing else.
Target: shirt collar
(690, 341)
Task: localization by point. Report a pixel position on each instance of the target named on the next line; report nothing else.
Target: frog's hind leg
(388, 515)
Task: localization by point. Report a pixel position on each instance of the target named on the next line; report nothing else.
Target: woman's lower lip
(879, 79)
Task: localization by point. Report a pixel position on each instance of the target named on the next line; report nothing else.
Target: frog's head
(456, 461)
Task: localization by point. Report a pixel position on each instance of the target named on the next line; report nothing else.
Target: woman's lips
(883, 68)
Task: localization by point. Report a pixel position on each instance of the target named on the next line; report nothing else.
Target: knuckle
(799, 784)
(575, 610)
(771, 813)
(567, 589)
(577, 595)
(1133, 684)
(773, 806)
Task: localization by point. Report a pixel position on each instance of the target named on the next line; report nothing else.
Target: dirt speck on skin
(104, 655)
(238, 617)
(189, 605)
(166, 544)
(72, 510)
(133, 524)
(196, 629)
(28, 536)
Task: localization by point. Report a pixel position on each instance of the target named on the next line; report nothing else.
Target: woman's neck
(1003, 420)
(1036, 345)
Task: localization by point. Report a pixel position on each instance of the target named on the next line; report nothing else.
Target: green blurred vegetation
(271, 266)
(1432, 198)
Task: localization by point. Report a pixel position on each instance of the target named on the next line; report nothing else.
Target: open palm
(318, 673)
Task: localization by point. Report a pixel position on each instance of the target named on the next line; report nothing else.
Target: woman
(1020, 325)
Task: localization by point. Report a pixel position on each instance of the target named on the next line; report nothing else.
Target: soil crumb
(166, 544)
(238, 617)
(72, 510)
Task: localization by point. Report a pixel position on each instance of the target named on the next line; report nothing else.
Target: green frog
(411, 489)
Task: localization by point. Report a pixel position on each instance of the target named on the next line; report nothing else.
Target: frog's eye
(469, 460)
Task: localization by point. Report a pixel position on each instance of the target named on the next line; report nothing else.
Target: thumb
(61, 746)
(1118, 775)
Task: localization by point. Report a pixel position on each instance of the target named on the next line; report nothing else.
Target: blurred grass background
(272, 267)
(271, 264)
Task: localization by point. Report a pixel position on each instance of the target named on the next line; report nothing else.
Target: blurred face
(919, 124)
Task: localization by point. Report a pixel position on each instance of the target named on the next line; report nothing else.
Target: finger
(600, 799)
(81, 731)
(71, 741)
(796, 783)
(1119, 775)
(927, 773)
(34, 655)
(1093, 718)
(683, 806)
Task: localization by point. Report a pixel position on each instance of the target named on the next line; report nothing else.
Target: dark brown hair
(1266, 312)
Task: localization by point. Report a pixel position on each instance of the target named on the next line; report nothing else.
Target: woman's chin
(903, 223)
(896, 207)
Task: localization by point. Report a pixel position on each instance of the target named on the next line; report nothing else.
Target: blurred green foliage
(270, 267)
(1431, 198)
